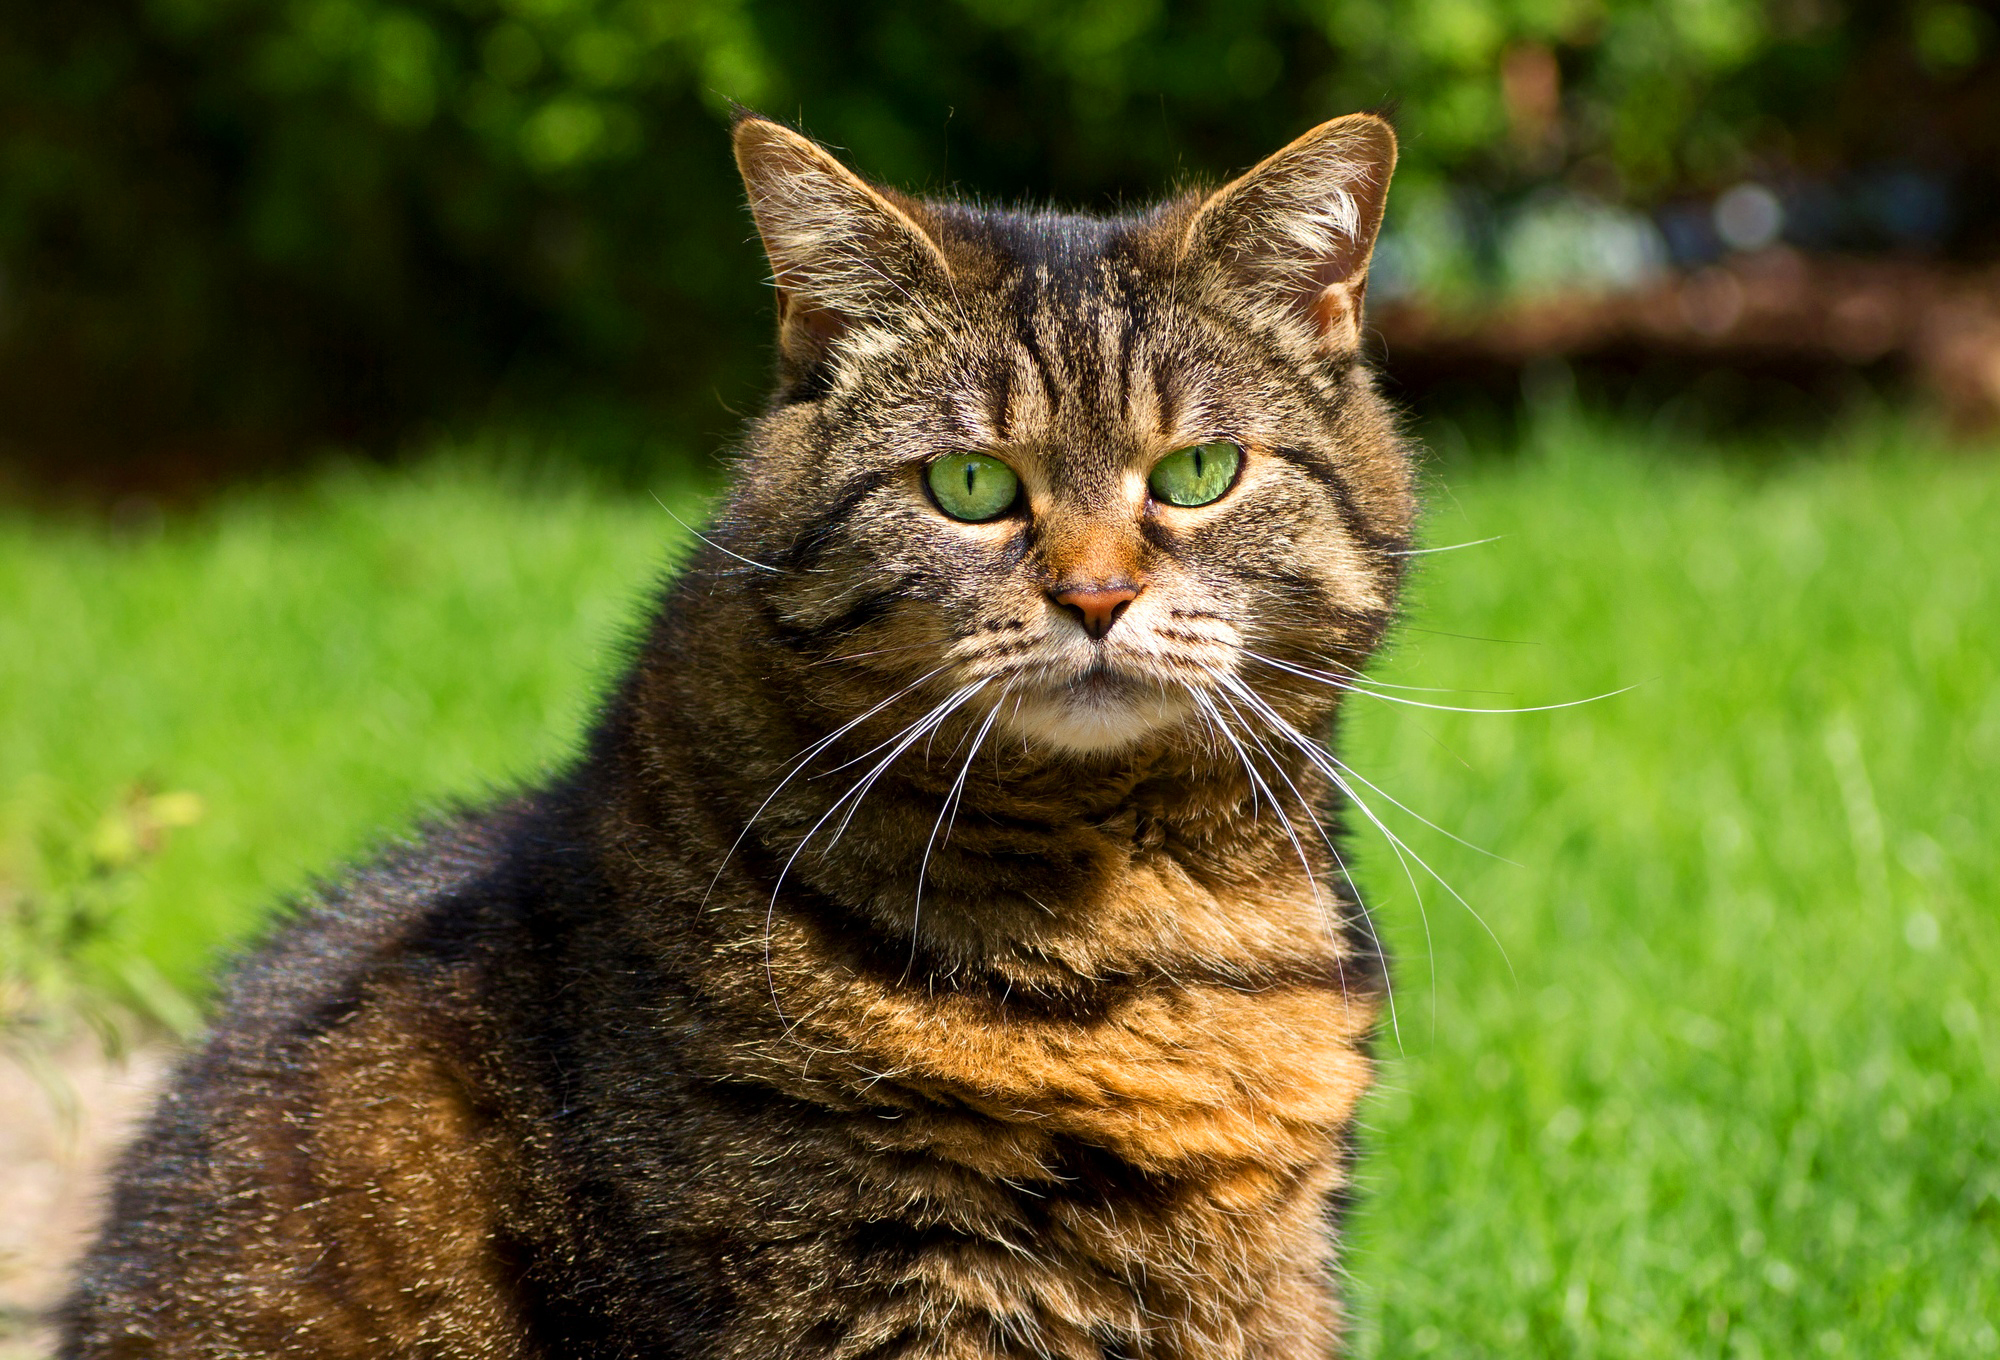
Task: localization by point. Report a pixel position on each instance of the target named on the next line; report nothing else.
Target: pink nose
(1096, 606)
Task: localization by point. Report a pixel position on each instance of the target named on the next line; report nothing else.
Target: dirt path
(62, 1117)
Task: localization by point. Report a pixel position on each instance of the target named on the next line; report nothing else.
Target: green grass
(1734, 1087)
(318, 668)
(1724, 1078)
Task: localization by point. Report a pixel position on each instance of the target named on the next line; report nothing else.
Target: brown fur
(1046, 1042)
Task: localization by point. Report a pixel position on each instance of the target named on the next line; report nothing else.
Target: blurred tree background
(232, 231)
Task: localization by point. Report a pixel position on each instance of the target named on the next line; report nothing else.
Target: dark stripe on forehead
(1000, 398)
(1128, 340)
(1081, 327)
(1169, 393)
(1024, 331)
(955, 426)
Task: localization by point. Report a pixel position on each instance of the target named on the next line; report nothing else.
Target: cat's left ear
(1288, 242)
(842, 252)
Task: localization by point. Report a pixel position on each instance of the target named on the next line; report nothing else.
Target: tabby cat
(935, 950)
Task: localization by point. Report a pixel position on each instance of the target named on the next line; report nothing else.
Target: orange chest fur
(1168, 1077)
(1195, 1065)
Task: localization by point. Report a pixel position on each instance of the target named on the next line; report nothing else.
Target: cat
(940, 946)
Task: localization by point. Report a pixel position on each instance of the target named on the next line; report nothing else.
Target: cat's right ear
(842, 253)
(1287, 244)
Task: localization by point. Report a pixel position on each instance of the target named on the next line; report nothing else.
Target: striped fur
(900, 971)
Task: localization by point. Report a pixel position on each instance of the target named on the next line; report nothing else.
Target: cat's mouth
(1104, 681)
(1102, 708)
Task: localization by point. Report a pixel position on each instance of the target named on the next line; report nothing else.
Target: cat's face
(1095, 477)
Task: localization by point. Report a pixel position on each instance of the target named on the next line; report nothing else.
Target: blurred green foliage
(227, 224)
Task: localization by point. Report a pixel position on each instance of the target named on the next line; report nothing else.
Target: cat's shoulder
(427, 914)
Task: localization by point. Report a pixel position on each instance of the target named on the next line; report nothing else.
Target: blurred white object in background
(1566, 242)
(1749, 217)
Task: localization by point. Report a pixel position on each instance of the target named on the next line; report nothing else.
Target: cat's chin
(1095, 716)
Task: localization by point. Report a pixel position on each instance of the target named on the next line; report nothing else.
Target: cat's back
(351, 1119)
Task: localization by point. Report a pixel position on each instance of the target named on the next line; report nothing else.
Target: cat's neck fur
(1041, 872)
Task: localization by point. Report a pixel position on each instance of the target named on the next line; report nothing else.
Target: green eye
(1197, 475)
(971, 486)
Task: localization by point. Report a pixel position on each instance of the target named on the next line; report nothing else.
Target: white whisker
(926, 725)
(1449, 547)
(1331, 769)
(1354, 687)
(859, 791)
(1340, 862)
(776, 571)
(1410, 811)
(1355, 679)
(950, 806)
(798, 763)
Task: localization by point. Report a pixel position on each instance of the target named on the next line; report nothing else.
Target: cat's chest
(1204, 1064)
(1166, 1157)
(1169, 1074)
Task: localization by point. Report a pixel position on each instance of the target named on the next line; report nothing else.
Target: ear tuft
(1288, 242)
(842, 252)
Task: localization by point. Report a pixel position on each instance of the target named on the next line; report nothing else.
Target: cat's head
(1103, 473)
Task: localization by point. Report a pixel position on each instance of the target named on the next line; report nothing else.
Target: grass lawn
(1718, 1075)
(203, 718)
